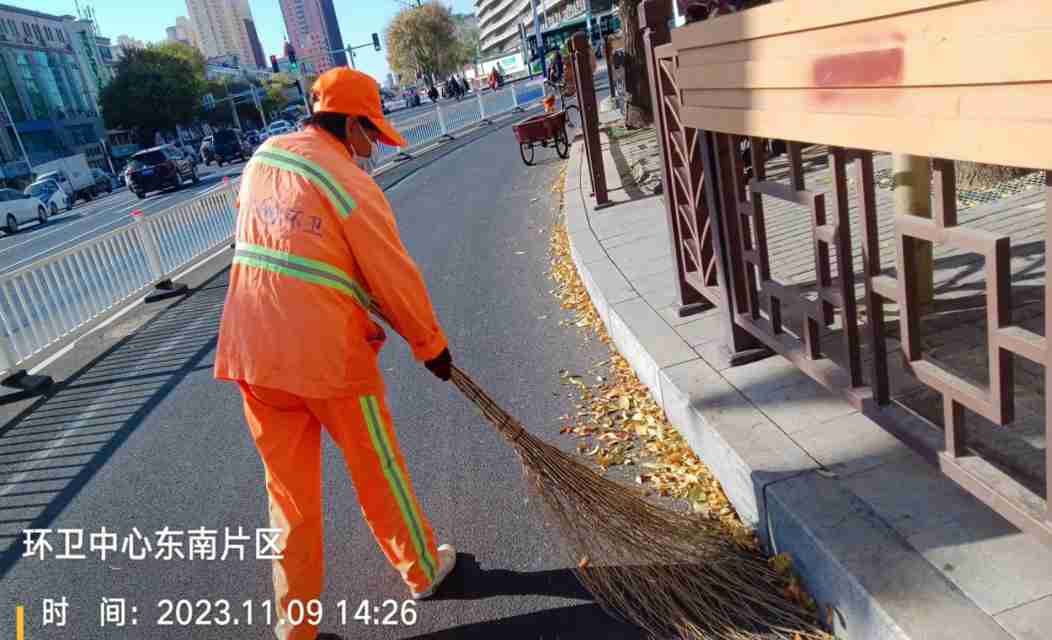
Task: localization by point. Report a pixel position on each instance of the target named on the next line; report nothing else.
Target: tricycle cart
(543, 129)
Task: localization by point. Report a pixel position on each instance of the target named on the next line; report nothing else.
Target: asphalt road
(89, 219)
(137, 434)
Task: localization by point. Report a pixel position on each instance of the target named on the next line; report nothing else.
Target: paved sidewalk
(893, 547)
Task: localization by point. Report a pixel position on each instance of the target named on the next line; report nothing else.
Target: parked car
(207, 156)
(252, 137)
(263, 135)
(19, 208)
(53, 197)
(279, 127)
(228, 144)
(103, 182)
(158, 168)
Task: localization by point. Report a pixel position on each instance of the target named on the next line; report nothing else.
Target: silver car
(17, 209)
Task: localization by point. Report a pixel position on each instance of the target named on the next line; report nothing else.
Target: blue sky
(146, 20)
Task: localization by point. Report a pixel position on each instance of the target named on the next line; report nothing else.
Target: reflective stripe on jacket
(317, 244)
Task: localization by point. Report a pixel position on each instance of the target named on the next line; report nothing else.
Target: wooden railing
(846, 83)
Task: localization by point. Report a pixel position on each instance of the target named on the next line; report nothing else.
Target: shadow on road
(51, 450)
(577, 622)
(471, 582)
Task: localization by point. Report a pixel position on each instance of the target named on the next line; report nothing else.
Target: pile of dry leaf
(618, 423)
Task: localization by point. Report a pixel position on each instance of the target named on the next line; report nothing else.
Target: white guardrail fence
(48, 301)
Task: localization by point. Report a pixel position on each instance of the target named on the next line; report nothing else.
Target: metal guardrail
(43, 303)
(452, 118)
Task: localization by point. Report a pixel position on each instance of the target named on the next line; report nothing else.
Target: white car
(19, 208)
(48, 192)
(279, 127)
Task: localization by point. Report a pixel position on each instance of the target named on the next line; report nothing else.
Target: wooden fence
(946, 80)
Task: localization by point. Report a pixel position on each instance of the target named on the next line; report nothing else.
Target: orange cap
(353, 93)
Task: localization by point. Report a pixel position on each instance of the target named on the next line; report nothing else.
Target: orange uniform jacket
(317, 244)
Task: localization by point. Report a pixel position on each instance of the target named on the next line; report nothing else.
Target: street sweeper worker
(317, 247)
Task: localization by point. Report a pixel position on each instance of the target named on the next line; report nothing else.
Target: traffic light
(376, 41)
(290, 53)
(274, 63)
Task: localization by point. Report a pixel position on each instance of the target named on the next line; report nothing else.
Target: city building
(51, 72)
(257, 46)
(499, 20)
(184, 26)
(180, 32)
(105, 48)
(222, 28)
(314, 31)
(128, 42)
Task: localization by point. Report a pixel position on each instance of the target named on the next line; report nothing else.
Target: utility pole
(259, 106)
(233, 109)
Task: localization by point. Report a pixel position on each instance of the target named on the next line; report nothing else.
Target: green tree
(467, 34)
(422, 40)
(153, 90)
(183, 52)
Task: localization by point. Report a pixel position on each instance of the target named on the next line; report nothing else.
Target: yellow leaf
(782, 563)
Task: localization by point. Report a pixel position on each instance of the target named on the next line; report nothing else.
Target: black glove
(441, 365)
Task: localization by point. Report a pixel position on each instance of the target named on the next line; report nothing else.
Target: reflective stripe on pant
(287, 432)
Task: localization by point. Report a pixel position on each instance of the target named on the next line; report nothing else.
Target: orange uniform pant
(287, 432)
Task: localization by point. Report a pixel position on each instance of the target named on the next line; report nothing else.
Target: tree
(422, 40)
(183, 52)
(153, 91)
(639, 108)
(468, 36)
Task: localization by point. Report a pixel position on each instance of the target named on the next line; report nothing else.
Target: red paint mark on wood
(881, 67)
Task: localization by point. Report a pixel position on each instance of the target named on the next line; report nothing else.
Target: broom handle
(489, 408)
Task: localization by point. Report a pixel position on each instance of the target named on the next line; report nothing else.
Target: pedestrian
(317, 246)
(433, 93)
(556, 72)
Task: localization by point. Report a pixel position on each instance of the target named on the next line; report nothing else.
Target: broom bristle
(669, 572)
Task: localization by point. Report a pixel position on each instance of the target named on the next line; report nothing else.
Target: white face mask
(366, 163)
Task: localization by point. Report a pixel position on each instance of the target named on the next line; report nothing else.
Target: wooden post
(654, 16)
(581, 52)
(911, 177)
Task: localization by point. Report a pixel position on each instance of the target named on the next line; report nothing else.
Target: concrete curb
(869, 582)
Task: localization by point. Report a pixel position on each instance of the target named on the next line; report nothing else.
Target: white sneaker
(447, 559)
